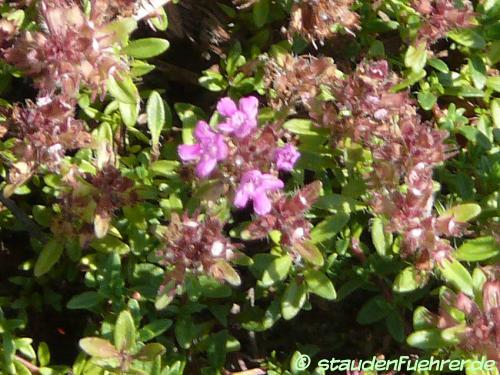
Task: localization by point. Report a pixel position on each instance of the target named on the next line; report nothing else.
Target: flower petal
(226, 127)
(226, 107)
(205, 167)
(203, 132)
(271, 183)
(241, 198)
(189, 152)
(222, 149)
(250, 106)
(261, 203)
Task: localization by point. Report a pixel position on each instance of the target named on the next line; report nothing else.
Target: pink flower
(241, 119)
(210, 149)
(286, 157)
(254, 186)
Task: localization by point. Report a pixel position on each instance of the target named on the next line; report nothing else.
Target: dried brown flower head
(442, 16)
(196, 245)
(296, 81)
(45, 131)
(314, 20)
(73, 50)
(287, 217)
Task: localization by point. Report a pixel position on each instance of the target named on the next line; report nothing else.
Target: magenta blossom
(240, 120)
(286, 157)
(210, 149)
(254, 186)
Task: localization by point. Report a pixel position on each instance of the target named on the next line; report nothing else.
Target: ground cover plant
(248, 186)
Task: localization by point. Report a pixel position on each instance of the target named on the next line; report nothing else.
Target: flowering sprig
(472, 324)
(247, 157)
(405, 151)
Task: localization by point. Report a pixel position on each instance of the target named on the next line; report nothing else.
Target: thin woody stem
(30, 366)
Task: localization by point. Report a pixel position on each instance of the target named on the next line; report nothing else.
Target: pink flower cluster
(241, 152)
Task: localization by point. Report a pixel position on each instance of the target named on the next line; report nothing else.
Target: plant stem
(33, 229)
(30, 366)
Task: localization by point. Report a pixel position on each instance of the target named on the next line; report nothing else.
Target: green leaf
(426, 100)
(423, 318)
(303, 127)
(408, 280)
(150, 351)
(415, 58)
(43, 354)
(165, 295)
(495, 112)
(381, 240)
(468, 38)
(260, 12)
(477, 71)
(164, 167)
(97, 347)
(456, 274)
(329, 227)
(122, 28)
(228, 273)
(84, 300)
(439, 65)
(319, 284)
(123, 90)
(160, 22)
(154, 329)
(21, 369)
(478, 249)
(110, 244)
(454, 335)
(156, 116)
(426, 339)
(493, 83)
(189, 115)
(129, 113)
(185, 332)
(42, 215)
(146, 47)
(48, 257)
(140, 68)
(463, 212)
(293, 299)
(277, 270)
(375, 309)
(124, 334)
(309, 252)
(395, 326)
(216, 348)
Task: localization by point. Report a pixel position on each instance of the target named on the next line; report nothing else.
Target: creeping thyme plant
(225, 187)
